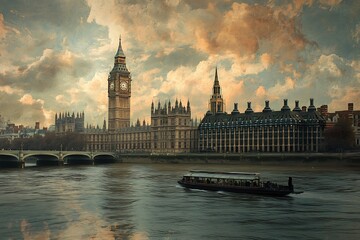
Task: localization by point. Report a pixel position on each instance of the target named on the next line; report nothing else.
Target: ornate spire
(216, 77)
(216, 101)
(216, 87)
(120, 52)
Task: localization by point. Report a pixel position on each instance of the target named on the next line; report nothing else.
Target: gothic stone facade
(66, 122)
(172, 129)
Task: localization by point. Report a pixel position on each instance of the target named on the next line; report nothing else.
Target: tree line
(51, 141)
(340, 137)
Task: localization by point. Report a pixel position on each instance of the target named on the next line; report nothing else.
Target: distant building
(323, 110)
(350, 114)
(267, 131)
(3, 123)
(66, 122)
(171, 129)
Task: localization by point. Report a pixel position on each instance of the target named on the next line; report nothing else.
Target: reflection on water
(125, 201)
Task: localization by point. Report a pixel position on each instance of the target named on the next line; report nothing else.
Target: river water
(143, 201)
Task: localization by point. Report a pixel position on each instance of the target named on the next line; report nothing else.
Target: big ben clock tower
(119, 92)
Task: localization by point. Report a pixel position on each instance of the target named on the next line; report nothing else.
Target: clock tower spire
(119, 92)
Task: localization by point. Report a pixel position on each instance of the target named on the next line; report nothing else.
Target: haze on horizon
(55, 56)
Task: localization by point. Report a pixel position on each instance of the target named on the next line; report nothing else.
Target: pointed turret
(104, 125)
(216, 101)
(188, 107)
(165, 109)
(216, 87)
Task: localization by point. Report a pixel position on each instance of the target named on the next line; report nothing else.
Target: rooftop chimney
(350, 106)
(235, 111)
(297, 108)
(267, 107)
(285, 107)
(249, 110)
(311, 107)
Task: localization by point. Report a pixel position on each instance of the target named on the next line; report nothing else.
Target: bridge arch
(78, 158)
(8, 157)
(100, 158)
(9, 160)
(41, 156)
(43, 159)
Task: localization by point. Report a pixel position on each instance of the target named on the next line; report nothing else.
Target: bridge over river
(18, 158)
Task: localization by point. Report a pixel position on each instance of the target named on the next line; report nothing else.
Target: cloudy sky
(56, 55)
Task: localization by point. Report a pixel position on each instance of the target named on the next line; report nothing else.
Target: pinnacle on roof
(249, 109)
(311, 108)
(297, 108)
(285, 108)
(216, 81)
(120, 52)
(267, 107)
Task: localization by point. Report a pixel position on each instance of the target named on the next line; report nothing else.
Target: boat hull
(237, 189)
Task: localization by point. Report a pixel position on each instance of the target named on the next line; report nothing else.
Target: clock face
(123, 86)
(112, 85)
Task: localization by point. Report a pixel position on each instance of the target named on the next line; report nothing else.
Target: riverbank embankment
(352, 158)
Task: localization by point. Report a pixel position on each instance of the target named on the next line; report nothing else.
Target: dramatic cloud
(56, 56)
(356, 33)
(2, 27)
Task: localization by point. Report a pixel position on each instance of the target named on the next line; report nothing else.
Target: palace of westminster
(172, 129)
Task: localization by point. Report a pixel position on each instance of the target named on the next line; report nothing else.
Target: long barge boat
(238, 182)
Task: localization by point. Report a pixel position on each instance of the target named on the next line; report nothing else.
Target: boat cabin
(223, 178)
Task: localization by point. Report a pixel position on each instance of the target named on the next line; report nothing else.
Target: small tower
(216, 101)
(104, 125)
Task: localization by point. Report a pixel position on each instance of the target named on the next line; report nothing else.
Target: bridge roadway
(55, 157)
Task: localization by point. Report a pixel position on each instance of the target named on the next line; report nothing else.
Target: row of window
(268, 148)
